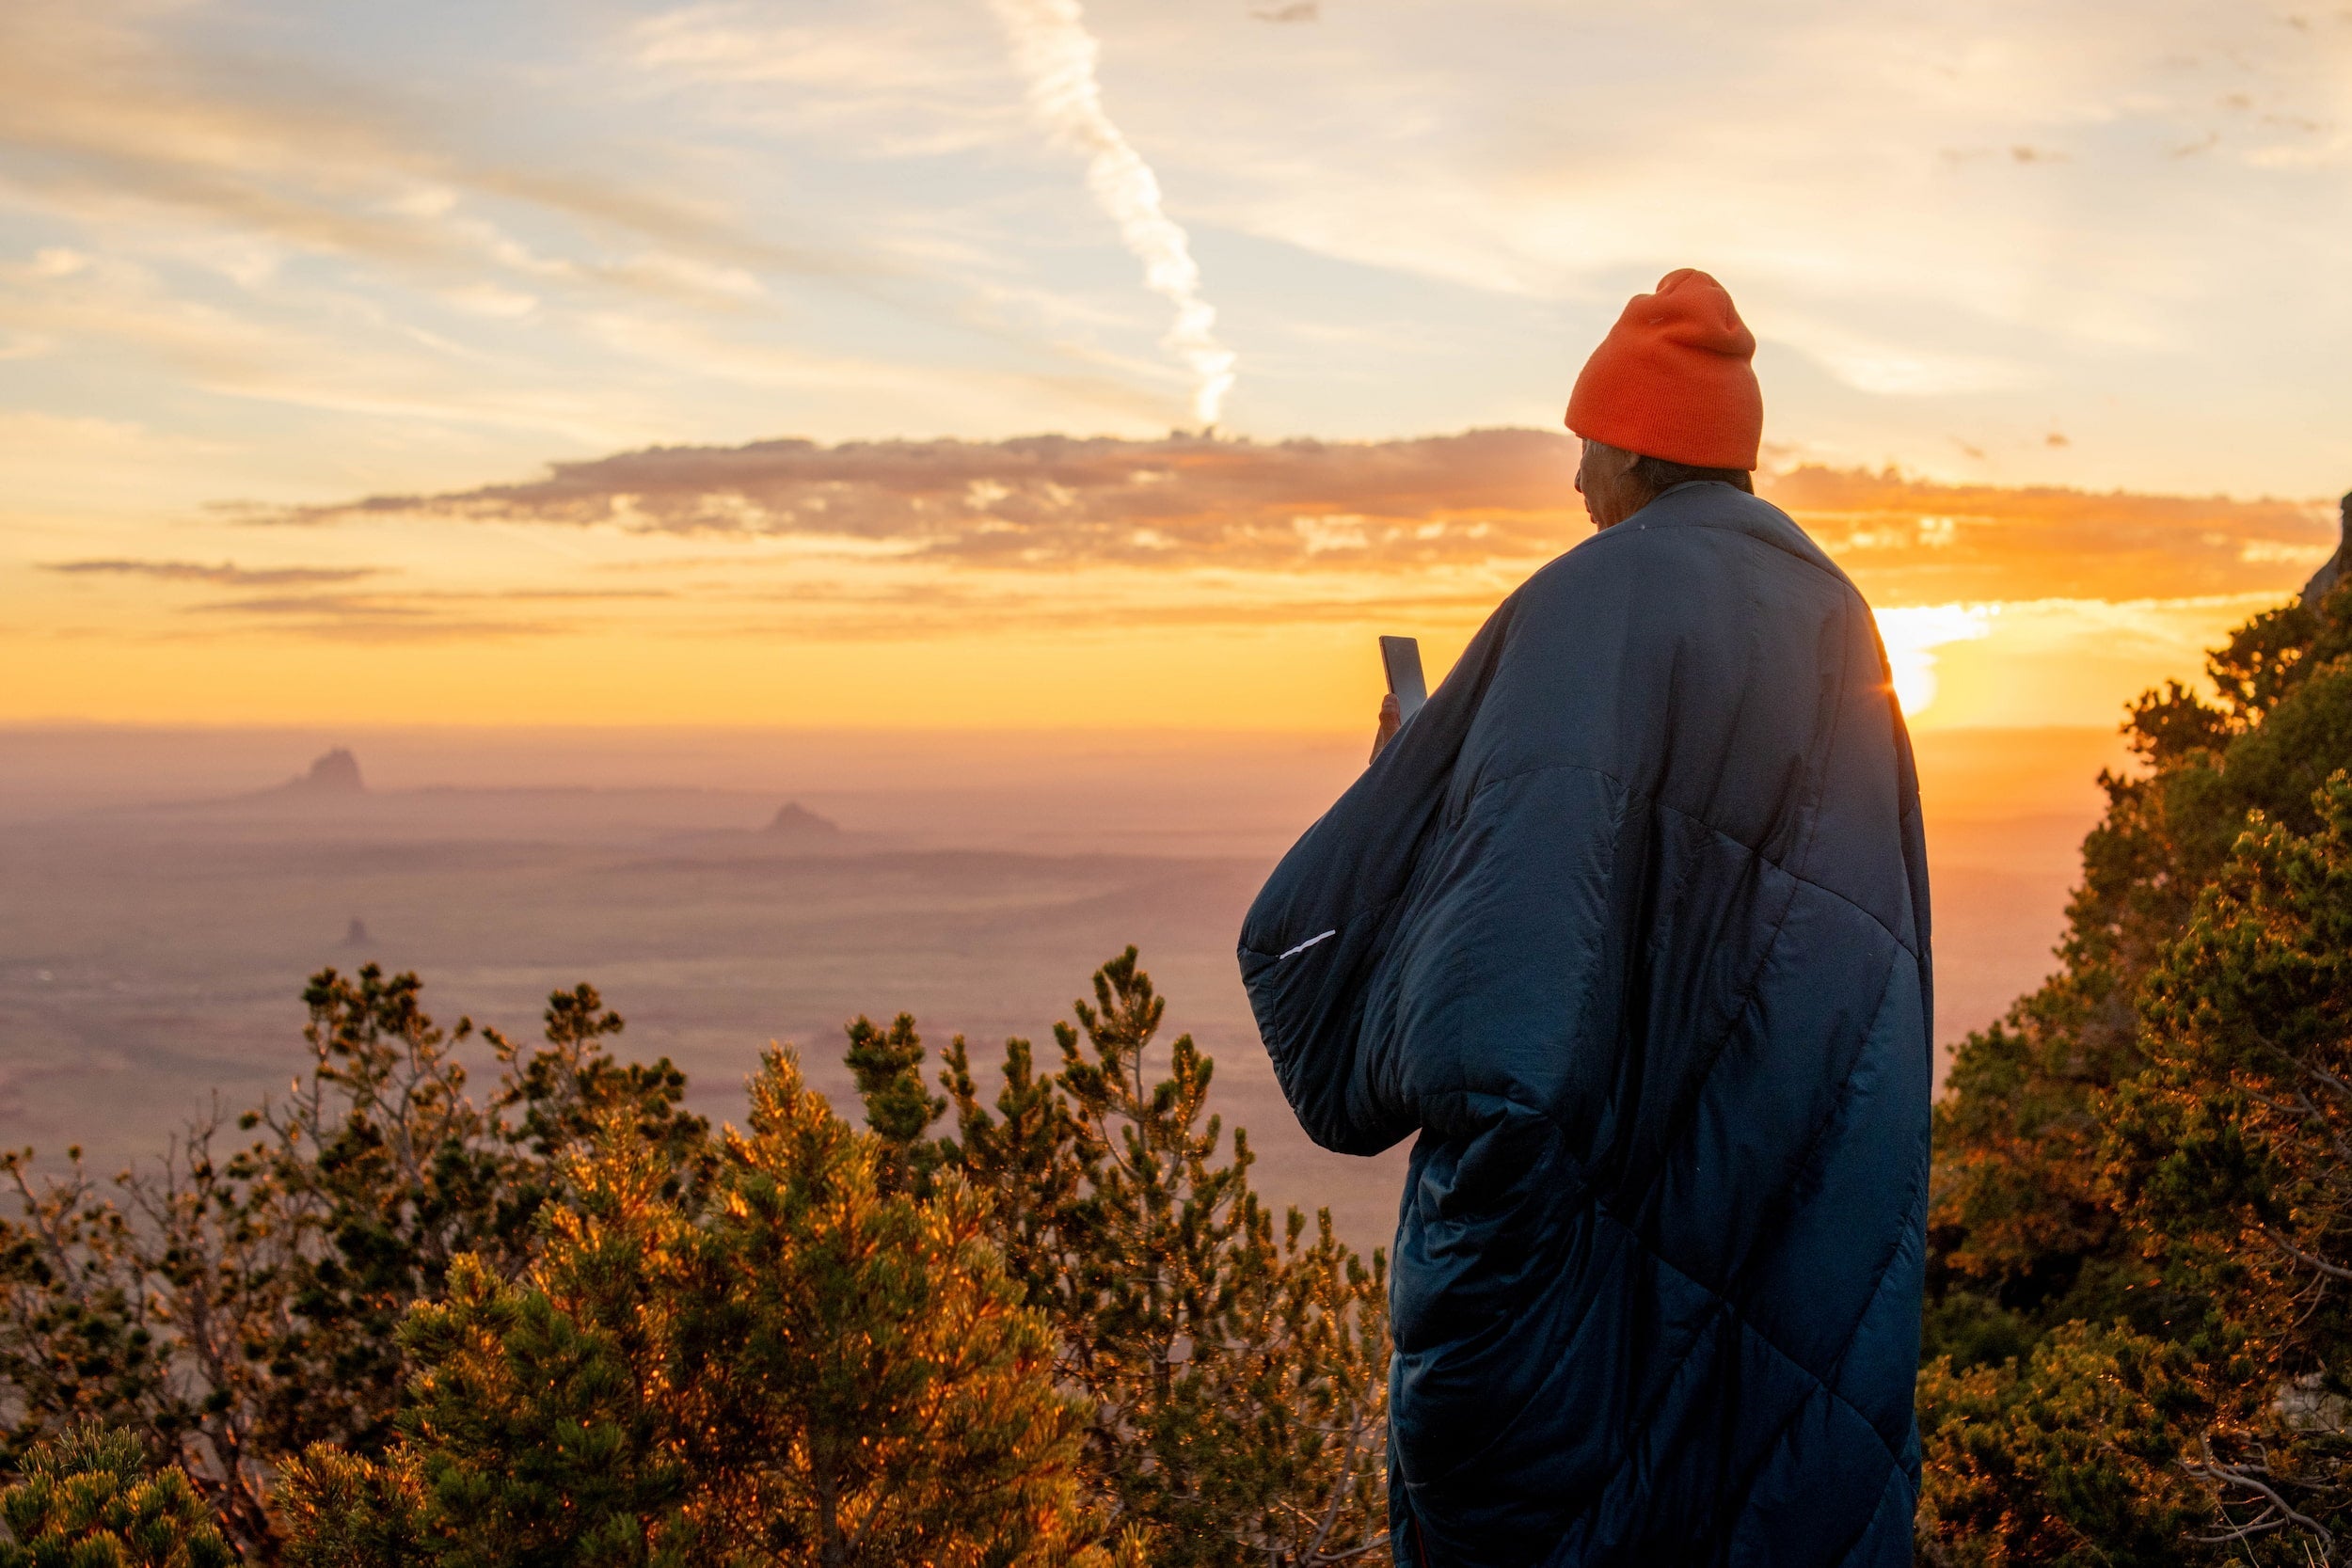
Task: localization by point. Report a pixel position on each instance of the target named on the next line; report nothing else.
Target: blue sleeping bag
(1630, 926)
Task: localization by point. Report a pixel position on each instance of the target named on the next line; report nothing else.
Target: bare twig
(2278, 1515)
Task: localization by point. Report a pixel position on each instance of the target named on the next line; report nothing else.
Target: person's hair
(1657, 475)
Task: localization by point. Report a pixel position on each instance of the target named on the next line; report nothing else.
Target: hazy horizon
(162, 899)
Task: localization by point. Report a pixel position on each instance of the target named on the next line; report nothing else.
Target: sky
(981, 363)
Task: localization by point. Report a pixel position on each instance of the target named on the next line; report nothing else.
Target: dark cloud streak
(409, 617)
(227, 574)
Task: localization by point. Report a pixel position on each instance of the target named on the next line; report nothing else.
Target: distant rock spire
(336, 772)
(2332, 571)
(795, 820)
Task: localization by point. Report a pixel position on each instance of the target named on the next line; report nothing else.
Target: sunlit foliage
(1234, 1364)
(2138, 1347)
(234, 1306)
(566, 1323)
(90, 1499)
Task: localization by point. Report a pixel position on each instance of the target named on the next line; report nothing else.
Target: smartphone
(1401, 658)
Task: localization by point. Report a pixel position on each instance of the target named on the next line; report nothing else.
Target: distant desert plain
(164, 894)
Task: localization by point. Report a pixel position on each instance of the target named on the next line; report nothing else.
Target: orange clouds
(1052, 580)
(1909, 541)
(1490, 498)
(1051, 500)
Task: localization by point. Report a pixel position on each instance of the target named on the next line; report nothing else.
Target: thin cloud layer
(99, 112)
(227, 574)
(332, 603)
(424, 616)
(1483, 498)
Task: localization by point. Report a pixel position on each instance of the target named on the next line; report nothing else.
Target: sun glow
(1912, 635)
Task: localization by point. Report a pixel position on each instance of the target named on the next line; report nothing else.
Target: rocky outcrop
(336, 772)
(795, 820)
(2332, 573)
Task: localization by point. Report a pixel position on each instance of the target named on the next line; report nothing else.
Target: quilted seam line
(1830, 1116)
(1823, 888)
(1723, 1042)
(1898, 1478)
(1567, 1342)
(1836, 719)
(1725, 1308)
(1721, 1313)
(1633, 1448)
(1656, 804)
(1913, 1201)
(1745, 1492)
(1812, 1148)
(1878, 1276)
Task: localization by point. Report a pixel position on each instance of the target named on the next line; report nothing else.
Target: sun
(1910, 637)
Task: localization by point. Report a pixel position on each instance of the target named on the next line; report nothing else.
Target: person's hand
(1391, 720)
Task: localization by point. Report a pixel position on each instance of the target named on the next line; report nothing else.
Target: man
(1629, 925)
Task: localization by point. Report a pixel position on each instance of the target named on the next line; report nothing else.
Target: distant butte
(795, 820)
(336, 772)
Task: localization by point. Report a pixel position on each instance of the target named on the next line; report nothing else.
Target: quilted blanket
(1628, 929)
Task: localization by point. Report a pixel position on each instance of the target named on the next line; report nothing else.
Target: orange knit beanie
(1674, 380)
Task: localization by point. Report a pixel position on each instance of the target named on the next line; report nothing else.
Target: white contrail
(1056, 54)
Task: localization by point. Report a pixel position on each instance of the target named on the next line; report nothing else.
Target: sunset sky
(801, 362)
